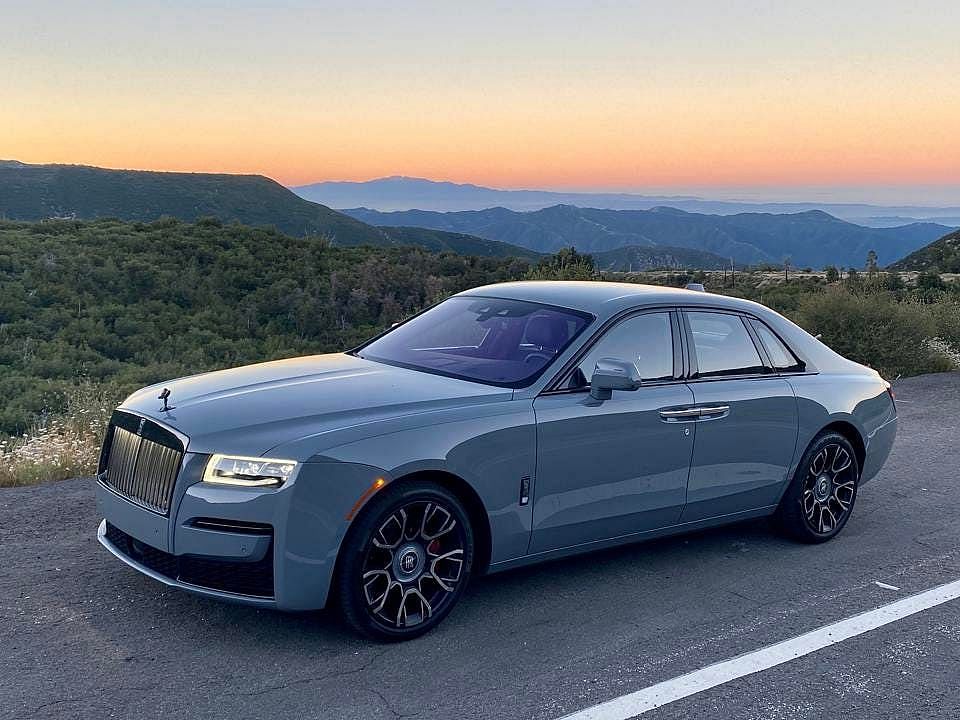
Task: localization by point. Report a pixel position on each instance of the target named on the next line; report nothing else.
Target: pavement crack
(388, 705)
(60, 701)
(313, 679)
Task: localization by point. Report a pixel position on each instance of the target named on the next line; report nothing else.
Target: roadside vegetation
(58, 446)
(90, 311)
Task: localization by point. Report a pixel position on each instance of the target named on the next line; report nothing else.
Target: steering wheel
(537, 354)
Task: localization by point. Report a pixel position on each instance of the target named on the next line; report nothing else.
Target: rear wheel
(821, 497)
(405, 562)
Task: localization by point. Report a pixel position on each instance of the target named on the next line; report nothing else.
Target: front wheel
(405, 562)
(820, 499)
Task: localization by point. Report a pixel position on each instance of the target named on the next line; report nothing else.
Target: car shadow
(565, 586)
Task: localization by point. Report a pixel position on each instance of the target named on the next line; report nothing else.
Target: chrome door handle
(714, 410)
(695, 413)
(685, 414)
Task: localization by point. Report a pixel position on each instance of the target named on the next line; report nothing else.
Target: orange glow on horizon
(736, 142)
(702, 168)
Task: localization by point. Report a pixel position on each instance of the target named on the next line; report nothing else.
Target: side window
(722, 344)
(646, 340)
(779, 354)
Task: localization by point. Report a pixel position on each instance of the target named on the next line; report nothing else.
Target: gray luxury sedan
(506, 425)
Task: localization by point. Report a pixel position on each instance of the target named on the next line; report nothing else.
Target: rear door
(747, 430)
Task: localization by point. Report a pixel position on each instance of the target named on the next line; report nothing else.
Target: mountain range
(39, 192)
(812, 238)
(618, 239)
(408, 193)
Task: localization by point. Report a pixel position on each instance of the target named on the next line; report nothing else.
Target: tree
(930, 280)
(832, 273)
(567, 264)
(872, 266)
(894, 281)
(853, 278)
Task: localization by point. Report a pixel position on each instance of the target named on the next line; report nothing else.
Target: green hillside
(123, 304)
(39, 192)
(36, 192)
(441, 241)
(942, 255)
(127, 304)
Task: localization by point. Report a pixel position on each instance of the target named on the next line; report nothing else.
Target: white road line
(636, 703)
(885, 586)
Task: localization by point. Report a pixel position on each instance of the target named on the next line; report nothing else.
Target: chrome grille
(140, 469)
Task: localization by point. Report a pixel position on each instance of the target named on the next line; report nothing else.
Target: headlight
(248, 471)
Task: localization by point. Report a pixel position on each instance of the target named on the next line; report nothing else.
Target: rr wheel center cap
(822, 488)
(409, 562)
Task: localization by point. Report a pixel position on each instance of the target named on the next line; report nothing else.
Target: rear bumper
(878, 447)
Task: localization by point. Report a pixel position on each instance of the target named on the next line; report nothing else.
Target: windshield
(488, 340)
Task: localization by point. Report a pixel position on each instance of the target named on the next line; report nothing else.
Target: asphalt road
(83, 636)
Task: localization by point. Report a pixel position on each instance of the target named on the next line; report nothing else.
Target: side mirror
(610, 374)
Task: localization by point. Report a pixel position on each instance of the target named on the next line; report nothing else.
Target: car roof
(605, 298)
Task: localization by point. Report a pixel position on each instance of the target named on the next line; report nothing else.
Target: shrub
(875, 330)
(946, 315)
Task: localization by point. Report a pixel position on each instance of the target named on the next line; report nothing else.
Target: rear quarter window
(781, 357)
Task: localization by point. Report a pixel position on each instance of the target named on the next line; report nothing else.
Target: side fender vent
(525, 490)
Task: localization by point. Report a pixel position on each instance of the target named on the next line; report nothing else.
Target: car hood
(249, 410)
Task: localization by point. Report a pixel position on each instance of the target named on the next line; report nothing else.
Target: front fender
(309, 516)
(491, 447)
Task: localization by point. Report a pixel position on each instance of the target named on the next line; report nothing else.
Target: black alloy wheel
(821, 497)
(829, 488)
(406, 561)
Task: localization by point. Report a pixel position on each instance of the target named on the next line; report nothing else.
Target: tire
(396, 583)
(820, 499)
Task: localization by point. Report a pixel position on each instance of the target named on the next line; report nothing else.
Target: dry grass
(58, 447)
(944, 349)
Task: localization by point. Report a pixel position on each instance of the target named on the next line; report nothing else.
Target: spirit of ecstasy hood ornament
(163, 396)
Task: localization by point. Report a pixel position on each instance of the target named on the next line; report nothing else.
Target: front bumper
(265, 547)
(172, 578)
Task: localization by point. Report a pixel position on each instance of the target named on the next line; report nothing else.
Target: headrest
(547, 332)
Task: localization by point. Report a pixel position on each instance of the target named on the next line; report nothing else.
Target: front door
(607, 469)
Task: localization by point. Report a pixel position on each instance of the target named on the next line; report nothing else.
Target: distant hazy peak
(400, 192)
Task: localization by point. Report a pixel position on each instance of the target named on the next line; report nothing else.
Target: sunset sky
(582, 95)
